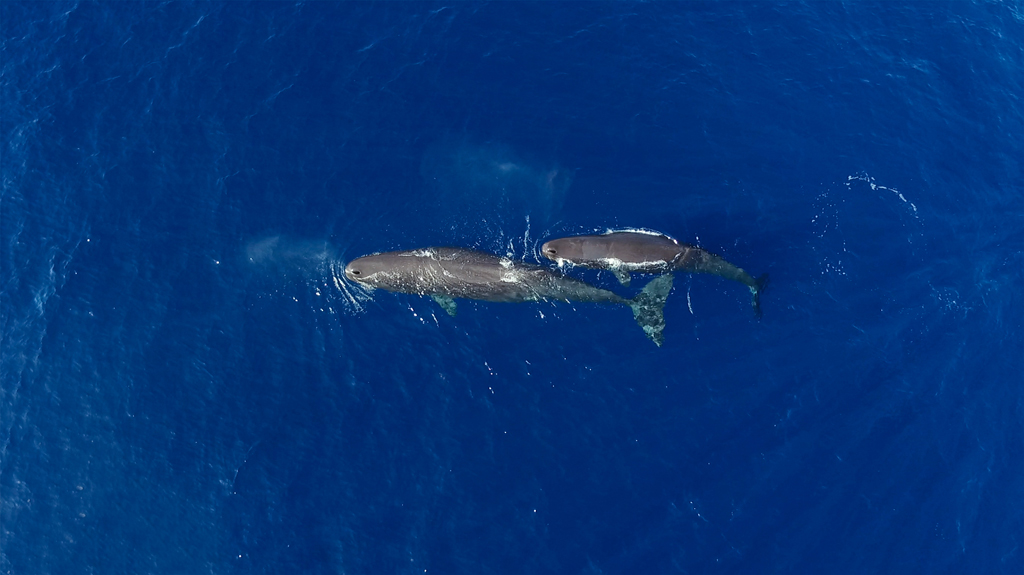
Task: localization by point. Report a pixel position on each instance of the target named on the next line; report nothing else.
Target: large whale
(445, 273)
(647, 252)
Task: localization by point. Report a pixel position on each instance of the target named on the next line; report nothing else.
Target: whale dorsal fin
(446, 303)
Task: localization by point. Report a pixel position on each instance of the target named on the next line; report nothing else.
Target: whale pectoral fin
(622, 276)
(446, 303)
(759, 286)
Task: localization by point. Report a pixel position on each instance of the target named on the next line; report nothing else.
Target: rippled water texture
(190, 385)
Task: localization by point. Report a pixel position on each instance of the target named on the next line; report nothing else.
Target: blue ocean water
(189, 385)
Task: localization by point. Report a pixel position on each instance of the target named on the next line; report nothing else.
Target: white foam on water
(354, 296)
(637, 231)
(870, 181)
(421, 253)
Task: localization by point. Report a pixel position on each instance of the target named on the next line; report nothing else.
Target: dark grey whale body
(644, 252)
(445, 273)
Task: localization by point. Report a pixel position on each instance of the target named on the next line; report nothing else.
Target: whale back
(627, 250)
(471, 274)
(427, 270)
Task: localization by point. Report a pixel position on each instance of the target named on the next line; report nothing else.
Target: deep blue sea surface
(190, 385)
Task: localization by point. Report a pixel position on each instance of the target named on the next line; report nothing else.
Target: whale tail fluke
(649, 305)
(759, 285)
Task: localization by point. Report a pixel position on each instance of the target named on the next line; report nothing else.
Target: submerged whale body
(650, 253)
(445, 273)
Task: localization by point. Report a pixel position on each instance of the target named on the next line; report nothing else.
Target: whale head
(357, 271)
(371, 270)
(394, 270)
(563, 250)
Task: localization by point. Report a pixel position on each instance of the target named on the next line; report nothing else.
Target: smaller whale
(445, 273)
(649, 253)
